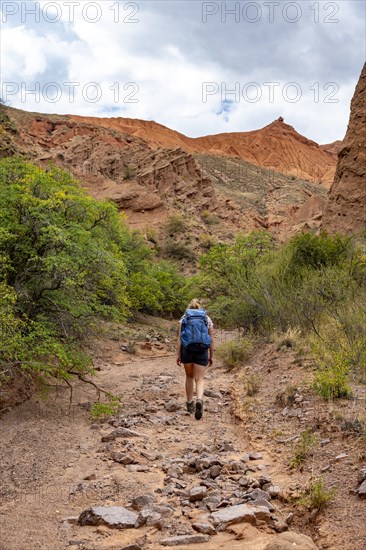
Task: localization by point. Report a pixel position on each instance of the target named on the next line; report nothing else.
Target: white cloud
(170, 53)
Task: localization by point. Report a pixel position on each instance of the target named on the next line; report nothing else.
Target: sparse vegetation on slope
(314, 283)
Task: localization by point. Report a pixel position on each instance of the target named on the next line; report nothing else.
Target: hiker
(195, 351)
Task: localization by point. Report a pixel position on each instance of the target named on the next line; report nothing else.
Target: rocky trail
(153, 477)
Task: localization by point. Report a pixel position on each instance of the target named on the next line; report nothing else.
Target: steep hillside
(277, 146)
(264, 198)
(111, 164)
(216, 195)
(346, 209)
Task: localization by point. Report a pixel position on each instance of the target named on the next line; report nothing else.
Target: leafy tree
(67, 259)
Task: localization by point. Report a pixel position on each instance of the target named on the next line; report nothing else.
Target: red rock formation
(277, 146)
(149, 183)
(332, 148)
(117, 166)
(346, 209)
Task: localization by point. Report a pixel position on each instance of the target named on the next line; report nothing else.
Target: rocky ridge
(277, 146)
(346, 209)
(216, 195)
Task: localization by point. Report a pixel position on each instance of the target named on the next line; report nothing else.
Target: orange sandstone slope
(276, 147)
(346, 208)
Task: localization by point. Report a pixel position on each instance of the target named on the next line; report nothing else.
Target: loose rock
(121, 432)
(204, 527)
(255, 456)
(185, 539)
(123, 458)
(341, 456)
(142, 501)
(239, 513)
(213, 394)
(172, 405)
(197, 493)
(289, 541)
(116, 517)
(215, 471)
(362, 490)
(361, 475)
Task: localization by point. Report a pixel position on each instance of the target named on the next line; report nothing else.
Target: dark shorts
(188, 357)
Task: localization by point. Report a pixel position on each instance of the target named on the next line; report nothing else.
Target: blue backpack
(194, 331)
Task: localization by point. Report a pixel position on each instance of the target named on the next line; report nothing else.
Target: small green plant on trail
(236, 352)
(317, 496)
(102, 410)
(303, 448)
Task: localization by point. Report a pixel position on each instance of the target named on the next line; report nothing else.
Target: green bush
(317, 496)
(209, 218)
(331, 380)
(308, 250)
(104, 410)
(315, 283)
(303, 448)
(66, 261)
(178, 250)
(176, 224)
(235, 353)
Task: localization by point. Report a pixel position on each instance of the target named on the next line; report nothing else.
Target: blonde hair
(194, 304)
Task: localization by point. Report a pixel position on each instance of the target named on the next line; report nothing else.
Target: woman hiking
(195, 350)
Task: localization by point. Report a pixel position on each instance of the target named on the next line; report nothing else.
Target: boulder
(289, 541)
(239, 513)
(116, 517)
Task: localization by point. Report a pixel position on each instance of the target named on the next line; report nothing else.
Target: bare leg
(199, 376)
(189, 381)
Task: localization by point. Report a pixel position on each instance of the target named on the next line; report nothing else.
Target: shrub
(101, 410)
(317, 496)
(5, 121)
(65, 261)
(287, 339)
(178, 250)
(331, 380)
(207, 241)
(176, 224)
(128, 173)
(287, 396)
(253, 384)
(236, 352)
(308, 250)
(151, 235)
(303, 448)
(209, 218)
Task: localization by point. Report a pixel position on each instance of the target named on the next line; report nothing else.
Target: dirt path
(55, 463)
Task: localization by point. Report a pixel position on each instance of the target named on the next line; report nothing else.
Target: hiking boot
(190, 407)
(199, 409)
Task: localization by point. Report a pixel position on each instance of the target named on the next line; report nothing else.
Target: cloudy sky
(197, 67)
